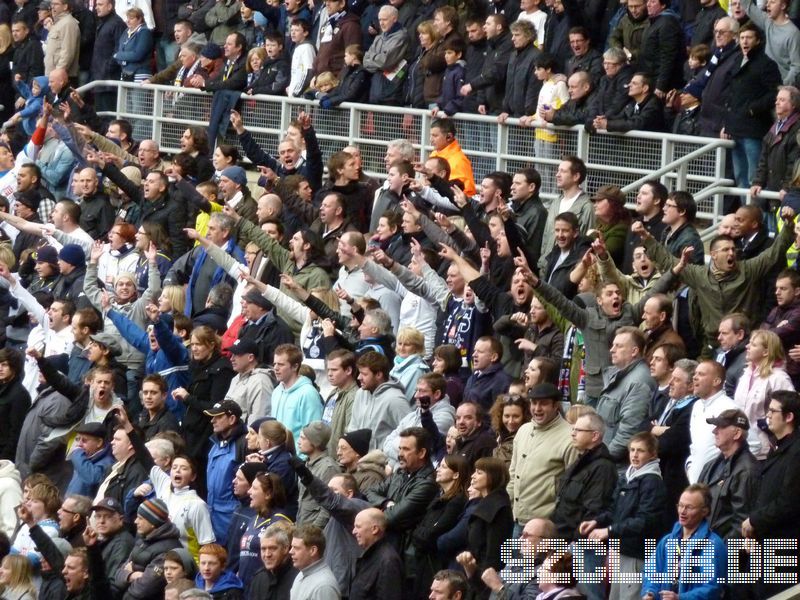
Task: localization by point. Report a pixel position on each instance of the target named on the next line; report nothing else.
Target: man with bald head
(576, 110)
(97, 214)
(268, 206)
(378, 572)
(386, 58)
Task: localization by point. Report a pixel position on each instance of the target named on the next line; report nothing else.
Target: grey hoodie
(379, 411)
(651, 468)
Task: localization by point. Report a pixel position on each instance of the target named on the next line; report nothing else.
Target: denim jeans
(745, 154)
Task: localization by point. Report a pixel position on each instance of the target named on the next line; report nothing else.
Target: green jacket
(742, 290)
(308, 277)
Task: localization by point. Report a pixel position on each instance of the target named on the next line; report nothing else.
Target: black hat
(358, 440)
(111, 504)
(251, 469)
(240, 347)
(93, 429)
(212, 51)
(226, 407)
(30, 198)
(732, 416)
(47, 254)
(544, 391)
(254, 297)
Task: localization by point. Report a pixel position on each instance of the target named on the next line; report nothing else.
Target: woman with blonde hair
(423, 86)
(16, 577)
(409, 362)
(762, 375)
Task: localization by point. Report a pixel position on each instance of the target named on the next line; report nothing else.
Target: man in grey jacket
(385, 59)
(628, 387)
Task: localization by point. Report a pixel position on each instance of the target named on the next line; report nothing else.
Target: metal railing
(693, 164)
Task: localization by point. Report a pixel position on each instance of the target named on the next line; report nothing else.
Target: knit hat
(211, 51)
(29, 198)
(358, 440)
(47, 254)
(318, 433)
(189, 566)
(251, 469)
(693, 88)
(256, 424)
(154, 512)
(73, 254)
(133, 173)
(236, 175)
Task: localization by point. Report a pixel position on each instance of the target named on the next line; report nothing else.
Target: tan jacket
(63, 45)
(540, 457)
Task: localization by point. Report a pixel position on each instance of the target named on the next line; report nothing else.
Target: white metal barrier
(694, 164)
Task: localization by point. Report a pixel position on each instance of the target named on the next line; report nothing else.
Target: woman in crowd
(276, 444)
(210, 377)
(763, 375)
(150, 232)
(212, 576)
(541, 370)
(172, 299)
(638, 513)
(16, 577)
(423, 85)
(43, 505)
(267, 499)
(447, 362)
(508, 414)
(409, 363)
(121, 255)
(224, 156)
(442, 514)
(14, 401)
(492, 522)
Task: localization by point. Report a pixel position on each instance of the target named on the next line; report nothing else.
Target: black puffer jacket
(147, 557)
(663, 52)
(750, 95)
(490, 524)
(14, 404)
(522, 90)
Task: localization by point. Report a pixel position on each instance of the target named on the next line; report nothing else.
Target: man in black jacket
(97, 213)
(584, 57)
(779, 147)
(644, 111)
(404, 497)
(611, 94)
(576, 110)
(490, 84)
(731, 476)
(777, 513)
(109, 28)
(378, 572)
(108, 543)
(663, 48)
(275, 580)
(28, 53)
(263, 327)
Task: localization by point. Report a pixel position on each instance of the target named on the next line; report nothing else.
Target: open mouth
(730, 262)
(615, 305)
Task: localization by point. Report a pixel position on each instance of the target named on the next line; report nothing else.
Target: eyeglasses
(688, 507)
(721, 31)
(579, 430)
(66, 510)
(774, 410)
(670, 205)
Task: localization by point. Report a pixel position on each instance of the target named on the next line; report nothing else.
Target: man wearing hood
(381, 403)
(228, 450)
(731, 476)
(295, 402)
(142, 576)
(626, 393)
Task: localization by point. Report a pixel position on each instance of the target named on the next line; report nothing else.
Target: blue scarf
(219, 274)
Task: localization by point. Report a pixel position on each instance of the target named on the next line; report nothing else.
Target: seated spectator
(213, 577)
(475, 438)
(488, 378)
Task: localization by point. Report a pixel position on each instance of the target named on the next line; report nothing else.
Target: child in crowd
(451, 100)
(355, 80)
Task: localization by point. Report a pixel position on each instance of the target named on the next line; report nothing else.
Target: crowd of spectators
(325, 385)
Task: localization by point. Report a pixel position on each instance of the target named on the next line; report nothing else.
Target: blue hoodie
(226, 581)
(33, 104)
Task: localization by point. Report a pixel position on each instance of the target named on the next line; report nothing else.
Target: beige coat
(63, 45)
(540, 457)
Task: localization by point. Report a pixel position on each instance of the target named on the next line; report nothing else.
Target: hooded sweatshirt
(33, 103)
(297, 406)
(379, 411)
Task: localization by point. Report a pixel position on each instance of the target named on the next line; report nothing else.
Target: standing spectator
(315, 579)
(611, 95)
(313, 442)
(779, 147)
(134, 48)
(584, 57)
(62, 49)
(14, 401)
(488, 378)
(749, 103)
(784, 320)
(731, 476)
(385, 59)
(490, 83)
(772, 516)
(275, 580)
(339, 30)
(521, 90)
(734, 330)
(703, 26)
(663, 49)
(228, 450)
(108, 541)
(303, 55)
(295, 400)
(213, 577)
(572, 198)
(475, 439)
(28, 54)
(627, 35)
(379, 571)
(781, 35)
(222, 20)
(716, 76)
(637, 513)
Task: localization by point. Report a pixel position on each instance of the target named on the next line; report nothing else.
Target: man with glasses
(693, 533)
(586, 489)
(716, 76)
(542, 452)
(723, 286)
(611, 94)
(679, 212)
(72, 518)
(776, 514)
